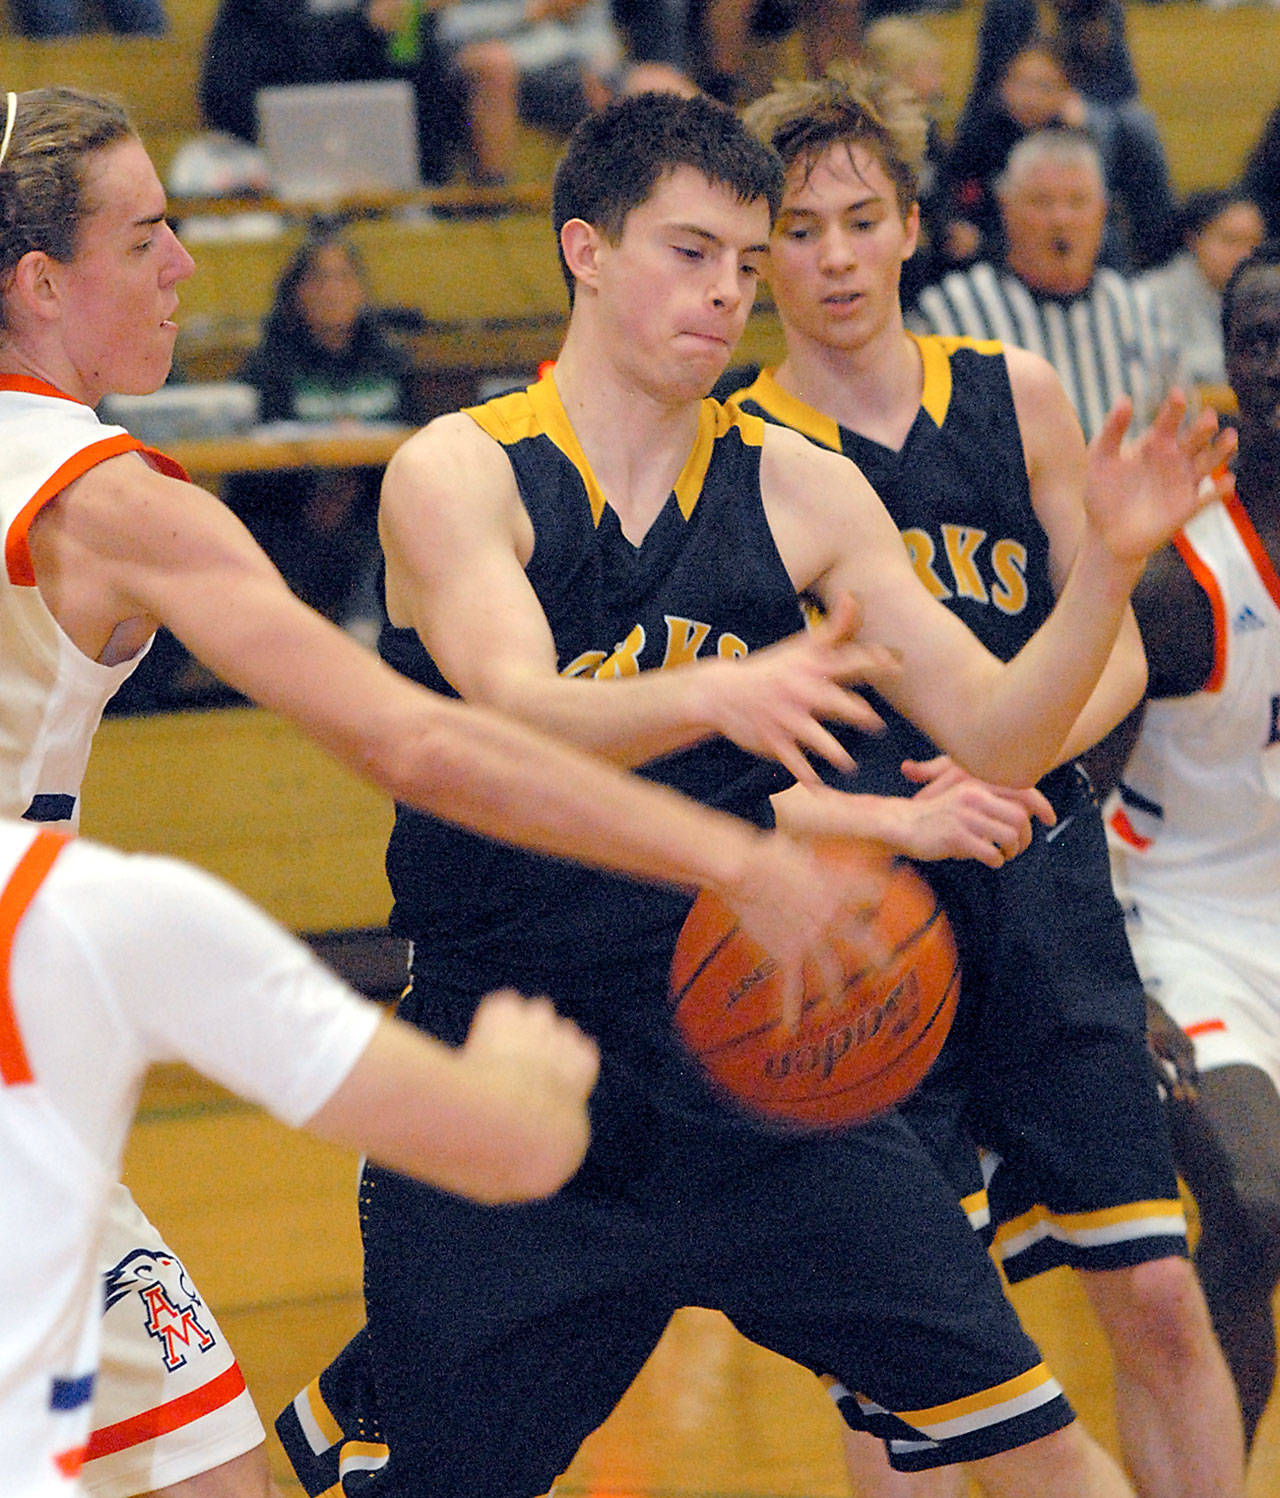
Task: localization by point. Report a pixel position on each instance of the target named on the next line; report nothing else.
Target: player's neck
(58, 374)
(873, 390)
(635, 439)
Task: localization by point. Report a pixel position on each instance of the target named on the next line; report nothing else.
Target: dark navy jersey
(706, 581)
(958, 492)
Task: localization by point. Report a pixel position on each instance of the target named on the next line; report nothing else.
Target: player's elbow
(417, 756)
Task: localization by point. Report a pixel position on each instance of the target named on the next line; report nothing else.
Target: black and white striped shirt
(1105, 343)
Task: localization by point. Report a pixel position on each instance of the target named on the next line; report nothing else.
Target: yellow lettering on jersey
(1009, 560)
(919, 546)
(730, 647)
(584, 664)
(961, 542)
(625, 660)
(684, 640)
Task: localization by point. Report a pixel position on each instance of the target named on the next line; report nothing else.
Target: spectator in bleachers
(1093, 49)
(45, 18)
(1030, 93)
(254, 44)
(1034, 90)
(1220, 227)
(546, 63)
(325, 357)
(828, 29)
(1098, 328)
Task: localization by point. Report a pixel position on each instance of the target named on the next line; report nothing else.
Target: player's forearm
(628, 720)
(814, 812)
(477, 768)
(1022, 725)
(465, 763)
(430, 1111)
(1119, 690)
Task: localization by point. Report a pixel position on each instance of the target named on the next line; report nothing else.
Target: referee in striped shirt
(1098, 328)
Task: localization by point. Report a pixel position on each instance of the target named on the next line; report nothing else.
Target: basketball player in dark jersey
(1049, 1063)
(552, 551)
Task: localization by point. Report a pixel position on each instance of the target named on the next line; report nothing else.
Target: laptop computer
(327, 140)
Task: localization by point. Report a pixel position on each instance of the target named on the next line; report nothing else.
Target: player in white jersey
(89, 997)
(1194, 824)
(103, 543)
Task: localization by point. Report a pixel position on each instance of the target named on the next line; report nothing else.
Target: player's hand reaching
(953, 815)
(956, 815)
(774, 701)
(1140, 491)
(795, 907)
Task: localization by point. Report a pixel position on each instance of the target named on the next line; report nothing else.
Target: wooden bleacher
(489, 289)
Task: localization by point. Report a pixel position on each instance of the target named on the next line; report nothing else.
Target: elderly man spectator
(1098, 328)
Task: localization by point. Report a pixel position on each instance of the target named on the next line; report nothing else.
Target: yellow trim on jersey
(935, 354)
(538, 411)
(936, 395)
(977, 1208)
(362, 1456)
(1034, 1380)
(792, 411)
(1100, 1225)
(321, 1414)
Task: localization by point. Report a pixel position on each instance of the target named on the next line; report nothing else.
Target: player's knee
(1162, 1322)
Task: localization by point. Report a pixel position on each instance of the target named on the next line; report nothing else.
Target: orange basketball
(850, 1058)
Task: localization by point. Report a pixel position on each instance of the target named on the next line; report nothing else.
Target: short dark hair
(617, 156)
(1266, 255)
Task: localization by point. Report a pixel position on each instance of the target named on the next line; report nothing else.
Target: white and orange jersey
(51, 1195)
(1195, 822)
(108, 962)
(51, 694)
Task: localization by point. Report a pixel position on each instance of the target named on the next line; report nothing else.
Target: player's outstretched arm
(454, 531)
(501, 1118)
(1054, 449)
(126, 549)
(1005, 722)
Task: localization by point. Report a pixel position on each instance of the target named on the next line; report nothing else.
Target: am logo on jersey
(170, 1306)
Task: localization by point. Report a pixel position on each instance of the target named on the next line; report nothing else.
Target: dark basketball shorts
(498, 1338)
(1049, 1071)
